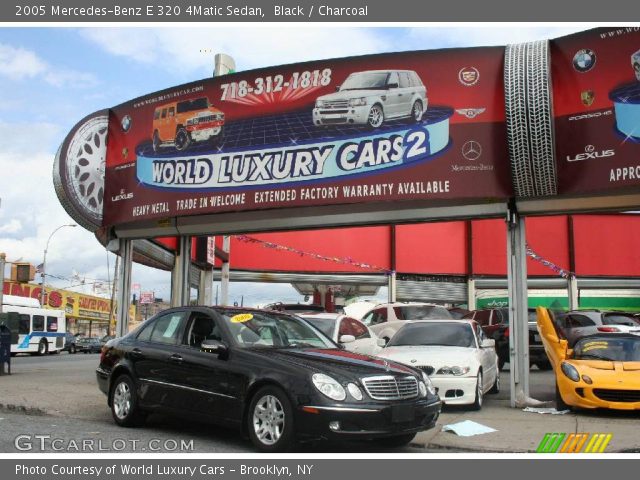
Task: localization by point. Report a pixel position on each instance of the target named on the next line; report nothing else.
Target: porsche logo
(587, 97)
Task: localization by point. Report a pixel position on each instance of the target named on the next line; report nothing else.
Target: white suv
(371, 97)
(387, 318)
(635, 63)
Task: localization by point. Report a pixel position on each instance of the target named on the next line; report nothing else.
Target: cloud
(14, 226)
(19, 64)
(193, 49)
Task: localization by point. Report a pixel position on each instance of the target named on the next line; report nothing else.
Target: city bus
(40, 330)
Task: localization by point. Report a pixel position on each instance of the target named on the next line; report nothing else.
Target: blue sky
(52, 77)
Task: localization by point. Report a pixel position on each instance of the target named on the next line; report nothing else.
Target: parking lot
(58, 395)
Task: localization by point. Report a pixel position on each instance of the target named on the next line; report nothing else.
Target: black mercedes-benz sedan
(271, 374)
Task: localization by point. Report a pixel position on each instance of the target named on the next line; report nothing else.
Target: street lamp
(44, 260)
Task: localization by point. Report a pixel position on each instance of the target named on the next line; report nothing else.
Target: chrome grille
(335, 104)
(387, 387)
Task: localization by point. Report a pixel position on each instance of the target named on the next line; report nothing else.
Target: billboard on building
(596, 99)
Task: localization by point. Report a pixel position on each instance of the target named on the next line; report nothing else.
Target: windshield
(615, 348)
(422, 312)
(262, 329)
(365, 80)
(191, 105)
(434, 333)
(325, 325)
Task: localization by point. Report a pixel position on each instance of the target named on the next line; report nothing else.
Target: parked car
(600, 371)
(372, 97)
(354, 335)
(455, 354)
(267, 373)
(89, 345)
(458, 313)
(295, 307)
(576, 324)
(182, 123)
(386, 318)
(106, 338)
(495, 324)
(69, 343)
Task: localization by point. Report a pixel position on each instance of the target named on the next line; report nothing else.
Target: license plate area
(403, 413)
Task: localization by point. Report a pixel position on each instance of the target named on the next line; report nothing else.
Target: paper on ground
(468, 428)
(551, 410)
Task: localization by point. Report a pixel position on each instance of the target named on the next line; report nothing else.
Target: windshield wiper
(300, 345)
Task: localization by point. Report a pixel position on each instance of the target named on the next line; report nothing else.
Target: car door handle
(175, 358)
(136, 353)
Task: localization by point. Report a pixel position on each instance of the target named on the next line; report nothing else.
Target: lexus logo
(589, 148)
(471, 150)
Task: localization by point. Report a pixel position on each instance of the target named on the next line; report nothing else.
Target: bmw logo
(126, 123)
(584, 60)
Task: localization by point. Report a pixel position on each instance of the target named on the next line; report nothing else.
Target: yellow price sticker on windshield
(241, 318)
(595, 346)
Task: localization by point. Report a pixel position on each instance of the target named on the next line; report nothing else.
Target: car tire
(501, 362)
(496, 385)
(375, 119)
(72, 349)
(124, 403)
(43, 347)
(477, 404)
(544, 365)
(560, 404)
(270, 420)
(417, 111)
(182, 140)
(396, 441)
(156, 141)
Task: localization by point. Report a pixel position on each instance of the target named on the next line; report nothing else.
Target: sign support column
(180, 275)
(518, 314)
(124, 287)
(224, 273)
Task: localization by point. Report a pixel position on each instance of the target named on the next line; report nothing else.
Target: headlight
(423, 389)
(429, 384)
(328, 386)
(570, 371)
(354, 391)
(319, 103)
(457, 371)
(356, 102)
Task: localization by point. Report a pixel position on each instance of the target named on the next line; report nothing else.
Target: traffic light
(22, 272)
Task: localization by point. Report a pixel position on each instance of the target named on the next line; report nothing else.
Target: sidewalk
(68, 389)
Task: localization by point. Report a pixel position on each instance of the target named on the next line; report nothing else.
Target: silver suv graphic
(635, 63)
(371, 97)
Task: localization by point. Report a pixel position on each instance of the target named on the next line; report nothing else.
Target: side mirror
(488, 343)
(347, 339)
(392, 85)
(337, 88)
(381, 342)
(214, 346)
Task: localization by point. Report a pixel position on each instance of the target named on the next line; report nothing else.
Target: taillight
(609, 329)
(103, 353)
(506, 332)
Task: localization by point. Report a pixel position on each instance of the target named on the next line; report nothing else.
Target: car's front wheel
(124, 403)
(560, 404)
(183, 140)
(417, 111)
(270, 420)
(376, 116)
(72, 349)
(477, 404)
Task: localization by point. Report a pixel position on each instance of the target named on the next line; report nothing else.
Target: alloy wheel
(122, 400)
(268, 419)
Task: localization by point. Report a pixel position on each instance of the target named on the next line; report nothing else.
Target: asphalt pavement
(57, 395)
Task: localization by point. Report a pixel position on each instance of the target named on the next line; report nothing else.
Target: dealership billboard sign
(453, 127)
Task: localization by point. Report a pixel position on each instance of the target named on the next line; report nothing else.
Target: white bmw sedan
(459, 360)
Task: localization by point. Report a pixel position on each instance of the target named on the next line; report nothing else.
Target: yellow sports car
(601, 371)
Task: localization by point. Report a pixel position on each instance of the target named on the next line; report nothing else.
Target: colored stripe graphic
(574, 443)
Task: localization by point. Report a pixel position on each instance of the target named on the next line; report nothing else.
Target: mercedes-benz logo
(589, 148)
(471, 150)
